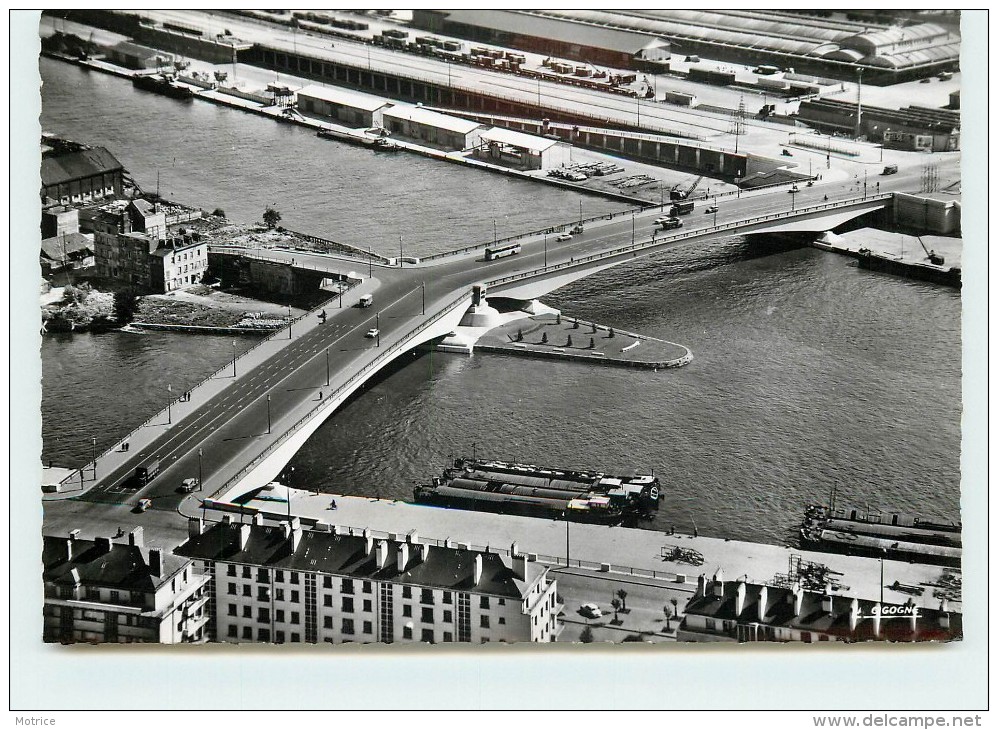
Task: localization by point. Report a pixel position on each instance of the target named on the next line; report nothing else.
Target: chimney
(797, 595)
(296, 534)
(74, 534)
(135, 537)
(827, 602)
(701, 585)
(763, 601)
(739, 598)
(103, 544)
(368, 542)
(195, 526)
(258, 519)
(403, 556)
(295, 523)
(244, 536)
(478, 568)
(519, 564)
(382, 554)
(75, 575)
(718, 583)
(853, 614)
(156, 563)
(514, 550)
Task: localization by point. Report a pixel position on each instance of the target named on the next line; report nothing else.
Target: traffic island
(568, 338)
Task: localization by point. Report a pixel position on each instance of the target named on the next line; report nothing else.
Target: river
(808, 372)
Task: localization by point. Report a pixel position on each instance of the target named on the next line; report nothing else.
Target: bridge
(239, 428)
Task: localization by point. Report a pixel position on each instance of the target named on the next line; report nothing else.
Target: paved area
(902, 247)
(556, 336)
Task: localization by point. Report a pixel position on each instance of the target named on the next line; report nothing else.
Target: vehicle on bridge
(710, 209)
(372, 333)
(668, 222)
(143, 505)
(366, 301)
(890, 170)
(497, 252)
(189, 485)
(147, 472)
(683, 208)
(564, 237)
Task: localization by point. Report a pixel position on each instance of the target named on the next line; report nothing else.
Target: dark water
(808, 371)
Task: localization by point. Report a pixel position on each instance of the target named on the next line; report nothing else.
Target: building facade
(440, 130)
(100, 591)
(80, 177)
(283, 584)
(729, 611)
(348, 107)
(522, 151)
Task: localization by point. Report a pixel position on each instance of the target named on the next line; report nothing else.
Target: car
(564, 237)
(373, 332)
(143, 505)
(710, 209)
(590, 610)
(189, 485)
(794, 189)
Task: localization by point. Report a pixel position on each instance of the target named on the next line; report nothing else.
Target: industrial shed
(523, 151)
(133, 55)
(423, 125)
(349, 107)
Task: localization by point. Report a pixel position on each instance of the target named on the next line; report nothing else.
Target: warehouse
(439, 130)
(551, 36)
(81, 176)
(522, 151)
(133, 55)
(910, 128)
(349, 107)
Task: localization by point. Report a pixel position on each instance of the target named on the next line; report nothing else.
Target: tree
(675, 606)
(218, 212)
(622, 595)
(586, 637)
(616, 607)
(271, 217)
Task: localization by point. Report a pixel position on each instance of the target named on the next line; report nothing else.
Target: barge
(526, 489)
(896, 536)
(162, 84)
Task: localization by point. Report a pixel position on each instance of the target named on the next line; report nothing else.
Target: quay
(926, 257)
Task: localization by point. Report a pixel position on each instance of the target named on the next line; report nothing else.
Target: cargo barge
(526, 489)
(161, 84)
(895, 536)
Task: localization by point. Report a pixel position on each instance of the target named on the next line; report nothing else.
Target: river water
(808, 372)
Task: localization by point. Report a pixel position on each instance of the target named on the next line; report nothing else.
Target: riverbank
(928, 258)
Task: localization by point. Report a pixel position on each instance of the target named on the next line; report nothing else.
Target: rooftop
(352, 99)
(101, 562)
(59, 247)
(518, 139)
(419, 115)
(78, 165)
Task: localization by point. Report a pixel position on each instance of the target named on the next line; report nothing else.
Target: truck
(682, 208)
(147, 472)
(889, 170)
(366, 301)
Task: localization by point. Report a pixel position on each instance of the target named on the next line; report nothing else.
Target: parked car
(591, 610)
(373, 332)
(189, 485)
(564, 237)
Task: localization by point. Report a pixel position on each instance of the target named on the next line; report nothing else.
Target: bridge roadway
(240, 418)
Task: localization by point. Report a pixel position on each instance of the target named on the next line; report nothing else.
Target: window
(279, 594)
(279, 616)
(232, 609)
(347, 586)
(248, 591)
(710, 624)
(279, 576)
(485, 602)
(327, 581)
(93, 593)
(502, 601)
(263, 615)
(263, 634)
(426, 596)
(367, 586)
(502, 619)
(247, 633)
(232, 589)
(427, 636)
(295, 596)
(406, 632)
(368, 627)
(448, 597)
(233, 632)
(367, 606)
(295, 638)
(406, 592)
(426, 615)
(485, 622)
(262, 593)
(231, 571)
(247, 572)
(327, 622)
(247, 612)
(406, 610)
(448, 617)
(348, 626)
(294, 577)
(295, 619)
(261, 576)
(347, 606)
(327, 601)
(279, 637)
(448, 636)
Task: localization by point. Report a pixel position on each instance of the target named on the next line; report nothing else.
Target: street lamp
(545, 250)
(200, 470)
(169, 404)
(94, 440)
(400, 252)
(327, 366)
(290, 322)
(377, 328)
(233, 358)
(632, 227)
(793, 198)
(268, 412)
(422, 288)
(370, 262)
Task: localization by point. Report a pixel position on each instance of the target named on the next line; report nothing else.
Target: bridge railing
(236, 251)
(350, 382)
(672, 238)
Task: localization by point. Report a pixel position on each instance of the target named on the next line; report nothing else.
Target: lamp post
(793, 198)
(289, 320)
(370, 262)
(545, 250)
(400, 252)
(169, 404)
(632, 227)
(200, 470)
(327, 366)
(377, 328)
(94, 441)
(233, 358)
(422, 289)
(268, 412)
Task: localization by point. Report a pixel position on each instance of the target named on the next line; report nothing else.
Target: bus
(497, 252)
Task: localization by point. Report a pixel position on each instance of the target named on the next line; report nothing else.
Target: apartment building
(283, 584)
(101, 591)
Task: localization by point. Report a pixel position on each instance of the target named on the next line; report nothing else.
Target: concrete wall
(937, 216)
